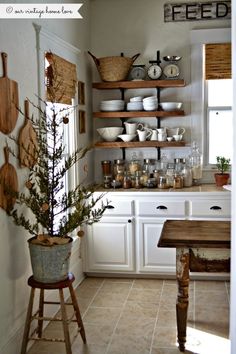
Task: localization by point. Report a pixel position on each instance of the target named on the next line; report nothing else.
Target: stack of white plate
(150, 103)
(136, 99)
(135, 106)
(112, 105)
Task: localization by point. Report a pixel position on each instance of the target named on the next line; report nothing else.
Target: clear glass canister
(187, 175)
(134, 165)
(162, 182)
(119, 170)
(127, 183)
(178, 181)
(196, 163)
(106, 167)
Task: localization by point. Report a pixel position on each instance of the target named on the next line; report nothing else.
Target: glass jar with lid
(187, 175)
(127, 183)
(196, 163)
(106, 167)
(119, 170)
(134, 165)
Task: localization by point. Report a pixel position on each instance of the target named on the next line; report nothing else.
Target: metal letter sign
(195, 11)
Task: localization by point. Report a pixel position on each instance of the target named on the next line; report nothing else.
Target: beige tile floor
(137, 316)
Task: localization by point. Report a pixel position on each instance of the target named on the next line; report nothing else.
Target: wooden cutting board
(28, 143)
(9, 100)
(8, 183)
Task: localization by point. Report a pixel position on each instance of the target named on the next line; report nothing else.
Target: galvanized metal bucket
(50, 263)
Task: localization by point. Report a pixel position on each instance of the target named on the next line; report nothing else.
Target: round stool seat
(57, 285)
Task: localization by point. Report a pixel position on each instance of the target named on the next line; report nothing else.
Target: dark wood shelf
(130, 114)
(138, 144)
(138, 84)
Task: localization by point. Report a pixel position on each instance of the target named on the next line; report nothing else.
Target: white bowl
(136, 99)
(110, 133)
(127, 137)
(150, 99)
(171, 106)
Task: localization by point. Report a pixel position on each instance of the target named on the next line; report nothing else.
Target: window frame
(198, 105)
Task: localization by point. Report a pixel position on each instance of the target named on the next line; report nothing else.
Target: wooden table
(201, 246)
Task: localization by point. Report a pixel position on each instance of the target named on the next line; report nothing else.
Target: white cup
(178, 137)
(144, 134)
(131, 128)
(161, 130)
(162, 137)
(175, 131)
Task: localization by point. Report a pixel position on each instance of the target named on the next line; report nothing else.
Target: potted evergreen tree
(223, 165)
(54, 213)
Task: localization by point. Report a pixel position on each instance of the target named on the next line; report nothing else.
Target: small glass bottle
(106, 167)
(138, 183)
(177, 181)
(196, 163)
(187, 175)
(143, 178)
(127, 183)
(118, 170)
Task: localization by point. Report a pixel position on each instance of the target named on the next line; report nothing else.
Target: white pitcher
(144, 134)
(132, 127)
(154, 135)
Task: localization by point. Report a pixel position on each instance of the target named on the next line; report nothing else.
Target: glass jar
(162, 182)
(106, 167)
(170, 171)
(177, 181)
(119, 170)
(107, 181)
(196, 163)
(138, 183)
(187, 175)
(143, 178)
(151, 181)
(127, 183)
(134, 165)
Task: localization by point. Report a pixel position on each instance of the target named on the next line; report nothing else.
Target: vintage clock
(171, 69)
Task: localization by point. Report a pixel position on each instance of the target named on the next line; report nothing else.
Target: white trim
(198, 38)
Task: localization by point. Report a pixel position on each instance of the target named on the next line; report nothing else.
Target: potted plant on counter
(44, 208)
(223, 165)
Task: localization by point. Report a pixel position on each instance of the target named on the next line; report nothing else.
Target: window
(219, 117)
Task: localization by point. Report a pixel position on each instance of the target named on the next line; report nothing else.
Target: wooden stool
(37, 333)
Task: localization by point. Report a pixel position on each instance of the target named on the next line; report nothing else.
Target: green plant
(222, 164)
(54, 212)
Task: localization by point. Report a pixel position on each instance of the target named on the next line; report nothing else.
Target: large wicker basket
(113, 68)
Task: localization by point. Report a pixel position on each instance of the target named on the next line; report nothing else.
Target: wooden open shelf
(138, 144)
(143, 114)
(138, 84)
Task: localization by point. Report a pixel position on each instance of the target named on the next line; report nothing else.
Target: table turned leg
(182, 274)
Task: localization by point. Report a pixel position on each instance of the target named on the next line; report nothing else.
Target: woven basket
(113, 68)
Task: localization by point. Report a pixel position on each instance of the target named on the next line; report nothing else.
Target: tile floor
(137, 316)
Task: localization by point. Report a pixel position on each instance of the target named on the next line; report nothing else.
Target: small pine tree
(55, 213)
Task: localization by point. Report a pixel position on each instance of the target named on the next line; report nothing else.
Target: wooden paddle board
(9, 100)
(8, 183)
(28, 143)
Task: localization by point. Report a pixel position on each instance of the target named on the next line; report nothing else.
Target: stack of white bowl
(112, 105)
(135, 104)
(150, 103)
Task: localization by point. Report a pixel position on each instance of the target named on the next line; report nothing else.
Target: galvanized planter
(50, 263)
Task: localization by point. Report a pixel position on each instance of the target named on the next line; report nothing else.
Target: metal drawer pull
(162, 207)
(215, 207)
(110, 207)
(129, 221)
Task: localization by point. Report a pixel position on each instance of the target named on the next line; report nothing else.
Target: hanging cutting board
(8, 183)
(28, 143)
(9, 100)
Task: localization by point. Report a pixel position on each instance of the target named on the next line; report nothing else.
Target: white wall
(18, 40)
(136, 26)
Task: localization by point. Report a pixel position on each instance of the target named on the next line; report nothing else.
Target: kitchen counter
(203, 188)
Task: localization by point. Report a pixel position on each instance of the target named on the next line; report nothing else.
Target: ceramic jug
(132, 127)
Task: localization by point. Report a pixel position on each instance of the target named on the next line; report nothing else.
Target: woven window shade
(61, 79)
(218, 61)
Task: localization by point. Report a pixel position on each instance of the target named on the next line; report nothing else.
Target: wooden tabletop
(194, 233)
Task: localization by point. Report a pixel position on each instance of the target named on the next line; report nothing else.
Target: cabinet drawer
(119, 208)
(161, 208)
(212, 208)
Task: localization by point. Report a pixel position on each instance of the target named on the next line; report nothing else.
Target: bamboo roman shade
(61, 79)
(218, 61)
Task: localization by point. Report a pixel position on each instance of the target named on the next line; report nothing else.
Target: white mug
(178, 137)
(161, 130)
(144, 134)
(162, 137)
(175, 131)
(131, 127)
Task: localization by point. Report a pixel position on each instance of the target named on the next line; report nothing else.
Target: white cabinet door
(153, 259)
(110, 245)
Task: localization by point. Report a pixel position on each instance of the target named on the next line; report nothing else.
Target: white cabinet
(150, 216)
(111, 245)
(125, 240)
(151, 258)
